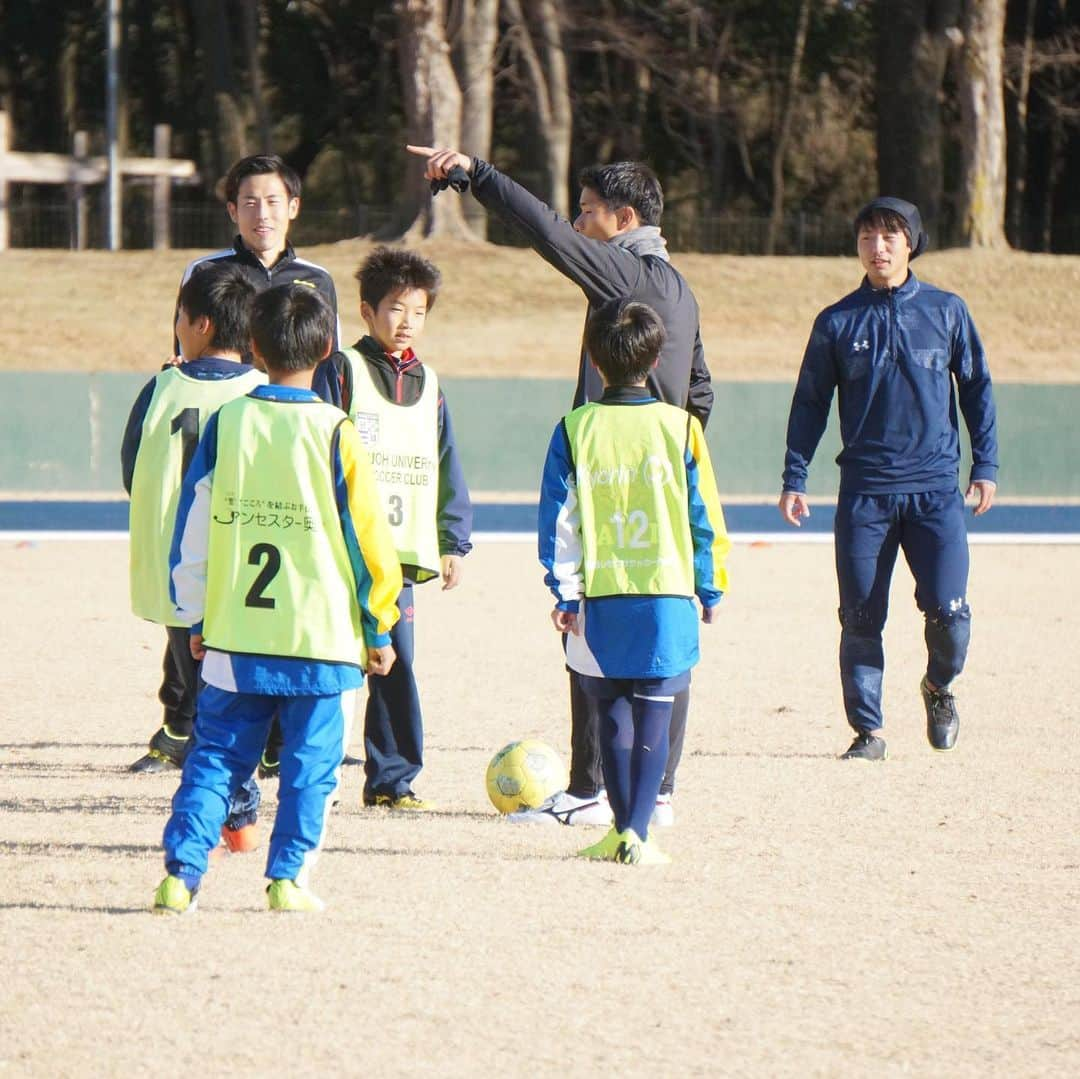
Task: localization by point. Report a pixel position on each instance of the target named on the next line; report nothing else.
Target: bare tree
(1018, 88)
(787, 109)
(250, 15)
(474, 28)
(982, 107)
(915, 38)
(433, 104)
(538, 41)
(228, 130)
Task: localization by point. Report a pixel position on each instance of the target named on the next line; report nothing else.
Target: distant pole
(5, 145)
(112, 93)
(80, 150)
(162, 188)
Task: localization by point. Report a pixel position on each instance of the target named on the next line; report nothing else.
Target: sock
(191, 878)
(652, 718)
(616, 748)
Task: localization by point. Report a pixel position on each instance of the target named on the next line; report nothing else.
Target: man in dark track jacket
(892, 350)
(613, 250)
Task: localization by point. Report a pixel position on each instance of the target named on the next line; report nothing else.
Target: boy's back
(271, 515)
(178, 403)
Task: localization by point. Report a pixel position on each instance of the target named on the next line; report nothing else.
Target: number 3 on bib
(396, 513)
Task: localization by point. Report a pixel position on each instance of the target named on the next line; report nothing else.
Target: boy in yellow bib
(284, 566)
(213, 326)
(400, 412)
(630, 531)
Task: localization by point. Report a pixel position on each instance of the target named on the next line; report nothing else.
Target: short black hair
(292, 325)
(261, 165)
(875, 217)
(394, 269)
(624, 339)
(627, 183)
(221, 292)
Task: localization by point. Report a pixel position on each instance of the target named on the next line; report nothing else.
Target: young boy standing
(630, 531)
(399, 410)
(283, 564)
(171, 411)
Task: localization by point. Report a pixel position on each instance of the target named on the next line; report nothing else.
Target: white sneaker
(663, 814)
(564, 808)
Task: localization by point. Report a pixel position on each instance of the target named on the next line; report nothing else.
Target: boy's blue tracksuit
(393, 720)
(630, 531)
(894, 357)
(314, 698)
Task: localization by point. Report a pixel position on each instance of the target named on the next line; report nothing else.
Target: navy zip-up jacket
(892, 355)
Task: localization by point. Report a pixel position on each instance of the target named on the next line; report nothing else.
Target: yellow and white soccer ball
(523, 774)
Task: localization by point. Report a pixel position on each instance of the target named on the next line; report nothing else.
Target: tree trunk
(475, 32)
(250, 15)
(776, 217)
(982, 108)
(1018, 130)
(914, 41)
(547, 71)
(228, 131)
(432, 100)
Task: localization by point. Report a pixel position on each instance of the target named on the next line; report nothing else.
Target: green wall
(62, 432)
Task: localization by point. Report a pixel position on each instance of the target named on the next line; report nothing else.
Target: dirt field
(820, 918)
(505, 312)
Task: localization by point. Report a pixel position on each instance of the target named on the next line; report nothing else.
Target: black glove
(458, 179)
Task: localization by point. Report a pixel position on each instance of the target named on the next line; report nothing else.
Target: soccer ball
(523, 774)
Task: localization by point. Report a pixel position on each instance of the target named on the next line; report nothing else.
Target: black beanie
(909, 212)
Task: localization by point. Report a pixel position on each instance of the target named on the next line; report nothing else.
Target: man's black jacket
(606, 271)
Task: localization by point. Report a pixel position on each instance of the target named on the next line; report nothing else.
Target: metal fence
(39, 223)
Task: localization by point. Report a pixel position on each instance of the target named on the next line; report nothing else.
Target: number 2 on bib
(255, 597)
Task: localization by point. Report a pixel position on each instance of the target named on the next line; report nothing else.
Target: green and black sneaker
(167, 752)
(269, 764)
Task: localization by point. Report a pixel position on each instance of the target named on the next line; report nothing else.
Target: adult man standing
(892, 350)
(613, 250)
(262, 197)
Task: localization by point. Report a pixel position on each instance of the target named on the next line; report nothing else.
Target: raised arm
(601, 270)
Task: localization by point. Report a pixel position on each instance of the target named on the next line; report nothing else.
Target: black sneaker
(942, 719)
(866, 747)
(269, 764)
(167, 753)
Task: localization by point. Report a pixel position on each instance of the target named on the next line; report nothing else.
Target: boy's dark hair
(624, 339)
(222, 293)
(260, 165)
(292, 325)
(627, 183)
(394, 269)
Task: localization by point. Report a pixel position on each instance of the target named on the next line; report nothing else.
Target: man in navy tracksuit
(893, 350)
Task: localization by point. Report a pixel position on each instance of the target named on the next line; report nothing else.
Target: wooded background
(786, 114)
